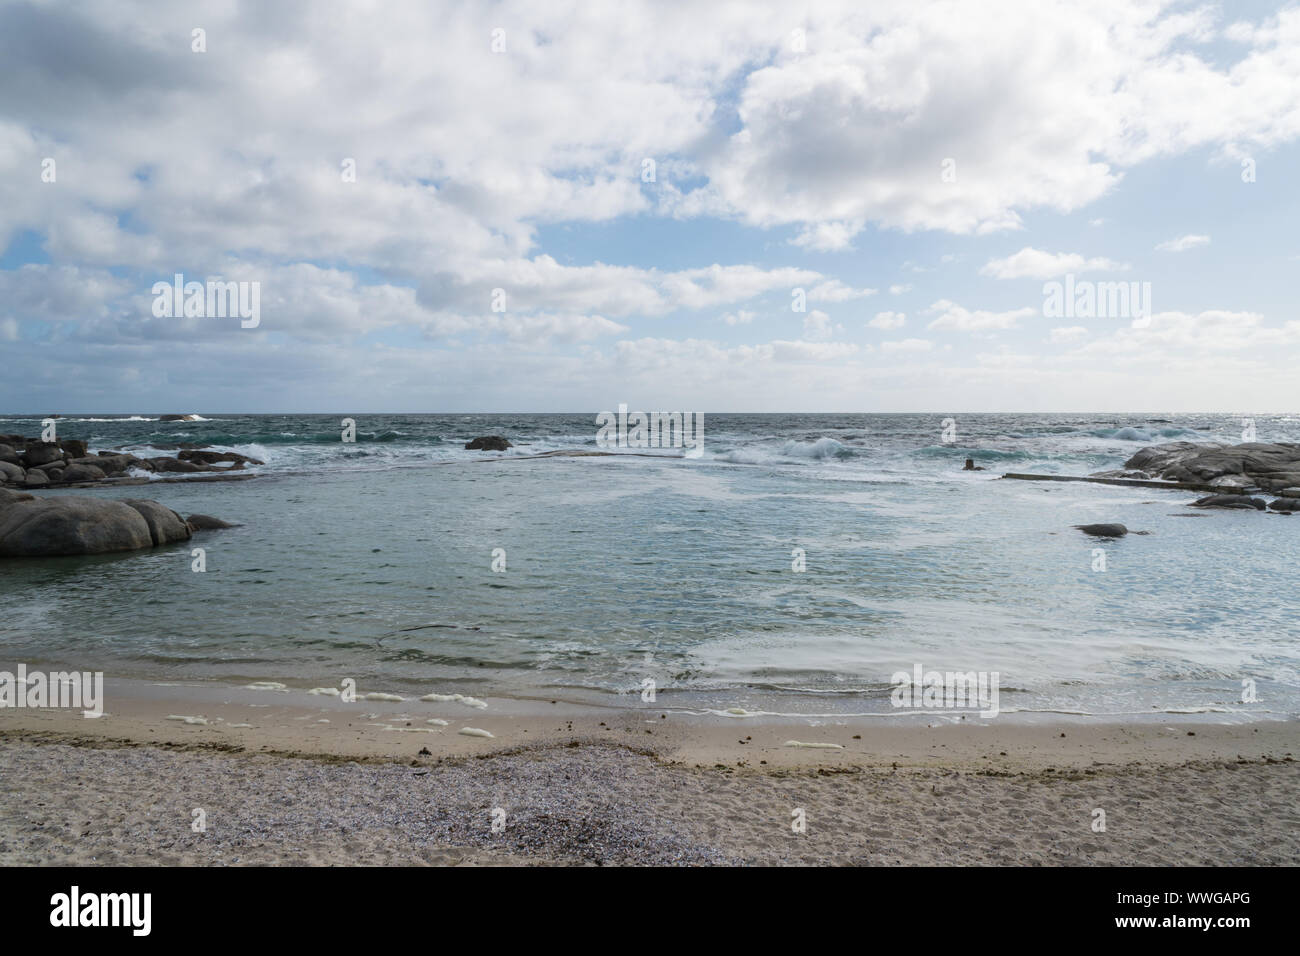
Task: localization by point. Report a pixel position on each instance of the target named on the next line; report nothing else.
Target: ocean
(792, 568)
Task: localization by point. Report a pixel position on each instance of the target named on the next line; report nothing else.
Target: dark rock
(73, 448)
(8, 453)
(11, 472)
(1103, 530)
(83, 473)
(488, 443)
(36, 477)
(174, 464)
(207, 523)
(54, 474)
(212, 457)
(1286, 504)
(1229, 501)
(41, 453)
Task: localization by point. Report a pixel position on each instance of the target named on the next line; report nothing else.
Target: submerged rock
(1103, 530)
(207, 523)
(488, 443)
(33, 527)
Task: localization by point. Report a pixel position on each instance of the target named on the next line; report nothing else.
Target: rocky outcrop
(488, 443)
(32, 527)
(1269, 467)
(29, 462)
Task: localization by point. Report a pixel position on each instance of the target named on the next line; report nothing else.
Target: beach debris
(473, 732)
(814, 746)
(456, 699)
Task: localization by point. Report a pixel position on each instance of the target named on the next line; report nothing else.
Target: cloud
(740, 317)
(1030, 263)
(1183, 243)
(1066, 335)
(955, 317)
(817, 326)
(907, 345)
(888, 320)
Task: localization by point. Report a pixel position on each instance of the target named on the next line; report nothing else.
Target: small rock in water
(488, 443)
(1229, 501)
(1103, 530)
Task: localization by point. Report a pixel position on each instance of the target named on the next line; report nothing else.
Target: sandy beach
(283, 777)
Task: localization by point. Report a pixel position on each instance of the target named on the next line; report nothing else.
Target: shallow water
(620, 569)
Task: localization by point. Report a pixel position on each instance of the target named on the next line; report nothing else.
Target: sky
(762, 207)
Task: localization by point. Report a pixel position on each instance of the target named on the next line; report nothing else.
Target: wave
(1131, 433)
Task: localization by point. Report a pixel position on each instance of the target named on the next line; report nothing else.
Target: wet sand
(642, 785)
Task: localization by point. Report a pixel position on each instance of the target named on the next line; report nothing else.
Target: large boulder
(8, 453)
(1286, 504)
(41, 453)
(64, 525)
(488, 443)
(174, 464)
(35, 477)
(73, 447)
(83, 473)
(10, 472)
(165, 525)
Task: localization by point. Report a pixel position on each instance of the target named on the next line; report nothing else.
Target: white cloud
(907, 345)
(888, 320)
(1066, 335)
(1183, 243)
(1030, 263)
(953, 316)
(817, 326)
(899, 289)
(740, 317)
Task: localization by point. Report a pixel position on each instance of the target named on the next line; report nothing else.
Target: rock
(11, 472)
(54, 474)
(41, 453)
(174, 464)
(83, 473)
(1252, 464)
(51, 466)
(8, 497)
(8, 454)
(1103, 530)
(1121, 473)
(1290, 492)
(73, 448)
(59, 525)
(1229, 501)
(212, 457)
(1286, 504)
(36, 477)
(488, 443)
(207, 523)
(165, 525)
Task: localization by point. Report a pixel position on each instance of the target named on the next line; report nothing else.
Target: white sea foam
(456, 699)
(473, 732)
(814, 746)
(188, 719)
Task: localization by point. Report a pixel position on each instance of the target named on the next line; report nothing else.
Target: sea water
(793, 567)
